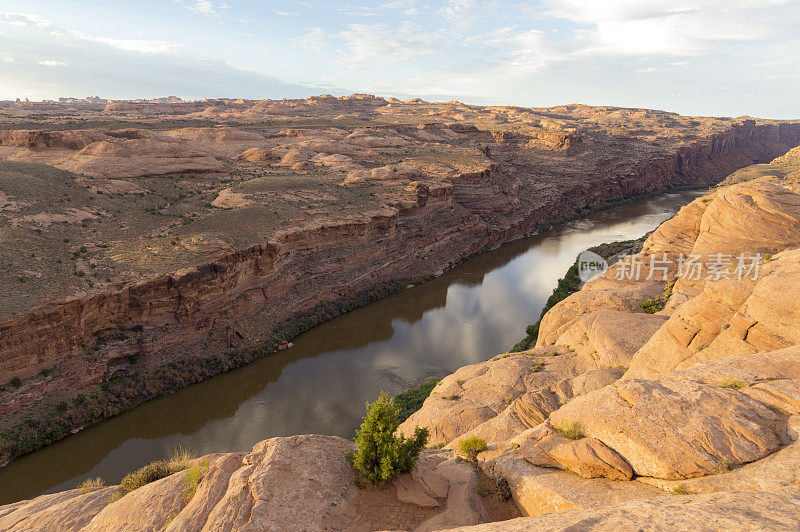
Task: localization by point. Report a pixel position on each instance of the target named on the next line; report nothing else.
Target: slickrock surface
(294, 483)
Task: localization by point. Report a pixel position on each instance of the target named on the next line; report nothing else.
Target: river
(478, 309)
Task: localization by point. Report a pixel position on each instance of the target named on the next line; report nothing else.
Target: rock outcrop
(294, 483)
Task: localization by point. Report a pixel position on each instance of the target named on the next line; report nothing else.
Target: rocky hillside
(656, 401)
(148, 245)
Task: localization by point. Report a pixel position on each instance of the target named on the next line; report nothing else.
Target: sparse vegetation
(470, 447)
(380, 455)
(411, 401)
(734, 384)
(90, 484)
(651, 306)
(191, 479)
(452, 397)
(570, 431)
(181, 460)
(681, 489)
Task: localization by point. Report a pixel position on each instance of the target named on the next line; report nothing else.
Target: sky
(695, 57)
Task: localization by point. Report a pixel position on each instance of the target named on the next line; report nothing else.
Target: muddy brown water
(471, 313)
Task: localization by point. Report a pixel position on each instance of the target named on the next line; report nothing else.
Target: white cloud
(314, 39)
(285, 13)
(378, 43)
(143, 46)
(52, 62)
(204, 7)
(667, 27)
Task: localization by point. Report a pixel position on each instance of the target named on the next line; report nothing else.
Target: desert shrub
(16, 382)
(651, 306)
(145, 475)
(191, 479)
(411, 401)
(734, 384)
(90, 484)
(681, 489)
(181, 460)
(571, 431)
(470, 447)
(452, 397)
(380, 455)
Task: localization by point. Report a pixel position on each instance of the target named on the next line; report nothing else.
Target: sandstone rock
(423, 486)
(538, 490)
(729, 316)
(675, 429)
(259, 155)
(228, 199)
(497, 399)
(606, 294)
(64, 511)
(282, 486)
(610, 337)
(588, 457)
(464, 506)
(777, 471)
(150, 507)
(719, 511)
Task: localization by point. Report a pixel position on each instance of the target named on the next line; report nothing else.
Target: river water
(468, 315)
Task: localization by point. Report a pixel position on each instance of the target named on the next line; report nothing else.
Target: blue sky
(703, 57)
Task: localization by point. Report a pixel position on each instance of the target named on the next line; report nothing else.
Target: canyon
(622, 415)
(164, 242)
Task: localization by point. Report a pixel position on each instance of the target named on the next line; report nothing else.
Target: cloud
(314, 39)
(143, 46)
(78, 65)
(665, 27)
(204, 7)
(380, 43)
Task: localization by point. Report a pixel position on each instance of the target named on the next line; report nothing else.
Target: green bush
(411, 401)
(571, 431)
(470, 447)
(145, 475)
(380, 455)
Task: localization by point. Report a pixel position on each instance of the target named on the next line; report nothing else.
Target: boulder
(676, 428)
